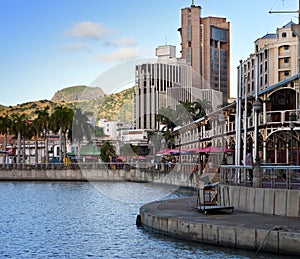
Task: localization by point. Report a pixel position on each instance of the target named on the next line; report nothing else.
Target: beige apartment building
(205, 45)
(274, 59)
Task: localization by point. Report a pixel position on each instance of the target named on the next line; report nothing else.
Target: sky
(47, 45)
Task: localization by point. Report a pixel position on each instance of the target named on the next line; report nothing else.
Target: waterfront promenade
(244, 230)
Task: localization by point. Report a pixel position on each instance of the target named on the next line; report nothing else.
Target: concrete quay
(243, 230)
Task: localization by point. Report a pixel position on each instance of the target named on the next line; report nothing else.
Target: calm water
(83, 220)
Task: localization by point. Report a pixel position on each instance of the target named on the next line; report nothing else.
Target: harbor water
(91, 220)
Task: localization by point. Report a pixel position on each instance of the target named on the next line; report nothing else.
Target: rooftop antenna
(193, 3)
(166, 41)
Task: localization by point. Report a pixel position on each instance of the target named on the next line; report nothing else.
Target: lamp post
(257, 105)
(222, 122)
(291, 126)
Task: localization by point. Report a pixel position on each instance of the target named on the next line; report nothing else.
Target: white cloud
(77, 46)
(123, 42)
(119, 55)
(88, 29)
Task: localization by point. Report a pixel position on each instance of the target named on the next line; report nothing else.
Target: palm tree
(18, 126)
(169, 138)
(81, 128)
(184, 112)
(5, 124)
(61, 121)
(167, 117)
(27, 134)
(201, 108)
(41, 125)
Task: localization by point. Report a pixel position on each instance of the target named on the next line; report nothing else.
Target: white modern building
(165, 83)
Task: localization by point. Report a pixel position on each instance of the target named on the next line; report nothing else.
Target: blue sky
(47, 45)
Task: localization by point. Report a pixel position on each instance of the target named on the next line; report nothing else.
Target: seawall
(170, 178)
(251, 231)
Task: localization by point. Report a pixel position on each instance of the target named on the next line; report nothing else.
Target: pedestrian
(249, 162)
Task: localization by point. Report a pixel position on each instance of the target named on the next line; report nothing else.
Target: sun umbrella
(168, 151)
(214, 150)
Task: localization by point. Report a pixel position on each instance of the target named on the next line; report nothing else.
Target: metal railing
(272, 176)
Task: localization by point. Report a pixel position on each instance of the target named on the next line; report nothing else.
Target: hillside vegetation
(78, 93)
(116, 106)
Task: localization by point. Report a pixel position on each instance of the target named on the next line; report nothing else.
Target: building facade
(165, 83)
(160, 84)
(274, 59)
(205, 45)
(269, 130)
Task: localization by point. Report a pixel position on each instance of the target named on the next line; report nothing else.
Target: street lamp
(222, 121)
(257, 105)
(291, 126)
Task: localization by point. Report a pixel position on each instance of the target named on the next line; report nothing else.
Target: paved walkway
(181, 208)
(259, 224)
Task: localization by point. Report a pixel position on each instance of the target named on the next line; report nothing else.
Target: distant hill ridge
(117, 106)
(77, 93)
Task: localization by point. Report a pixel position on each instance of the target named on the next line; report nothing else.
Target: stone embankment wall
(170, 178)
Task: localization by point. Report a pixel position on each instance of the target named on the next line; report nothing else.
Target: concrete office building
(154, 82)
(205, 45)
(165, 83)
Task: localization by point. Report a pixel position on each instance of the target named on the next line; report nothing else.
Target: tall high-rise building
(205, 45)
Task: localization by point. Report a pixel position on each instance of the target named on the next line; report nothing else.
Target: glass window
(219, 34)
(283, 35)
(189, 33)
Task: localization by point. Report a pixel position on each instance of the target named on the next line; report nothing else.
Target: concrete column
(257, 179)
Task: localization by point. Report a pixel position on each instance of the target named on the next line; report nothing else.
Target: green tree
(107, 151)
(167, 117)
(42, 125)
(5, 124)
(81, 128)
(169, 138)
(61, 122)
(18, 126)
(201, 108)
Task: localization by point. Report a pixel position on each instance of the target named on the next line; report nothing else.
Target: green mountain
(77, 93)
(91, 100)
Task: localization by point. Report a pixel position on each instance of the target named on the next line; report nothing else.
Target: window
(286, 60)
(219, 34)
(283, 35)
(286, 47)
(286, 73)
